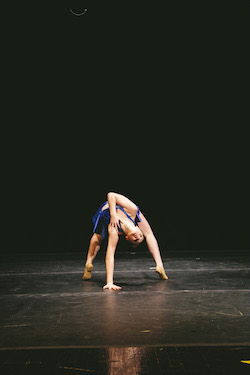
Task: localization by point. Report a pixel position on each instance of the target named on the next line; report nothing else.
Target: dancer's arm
(113, 200)
(110, 259)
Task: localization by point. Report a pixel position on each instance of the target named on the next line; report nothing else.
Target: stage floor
(46, 306)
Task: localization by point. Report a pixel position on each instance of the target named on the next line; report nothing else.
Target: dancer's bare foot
(87, 272)
(161, 272)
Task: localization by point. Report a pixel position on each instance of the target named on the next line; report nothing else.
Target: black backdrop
(146, 101)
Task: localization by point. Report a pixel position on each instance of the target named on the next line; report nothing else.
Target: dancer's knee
(96, 239)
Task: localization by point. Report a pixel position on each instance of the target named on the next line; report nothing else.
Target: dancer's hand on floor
(111, 286)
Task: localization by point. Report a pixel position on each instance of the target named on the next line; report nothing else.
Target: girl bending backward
(120, 216)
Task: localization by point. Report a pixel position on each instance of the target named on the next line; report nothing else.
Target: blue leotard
(101, 219)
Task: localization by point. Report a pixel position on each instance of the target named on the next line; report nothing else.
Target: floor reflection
(126, 361)
(133, 317)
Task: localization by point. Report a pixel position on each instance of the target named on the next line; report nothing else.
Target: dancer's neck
(127, 227)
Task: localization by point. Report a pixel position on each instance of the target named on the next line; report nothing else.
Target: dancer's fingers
(112, 287)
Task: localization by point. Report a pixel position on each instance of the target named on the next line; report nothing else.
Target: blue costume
(101, 219)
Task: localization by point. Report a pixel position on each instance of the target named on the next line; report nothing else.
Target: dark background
(149, 101)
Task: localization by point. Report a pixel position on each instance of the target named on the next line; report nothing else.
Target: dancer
(120, 216)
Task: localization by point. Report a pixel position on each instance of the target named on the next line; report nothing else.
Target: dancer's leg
(94, 247)
(152, 246)
(154, 249)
